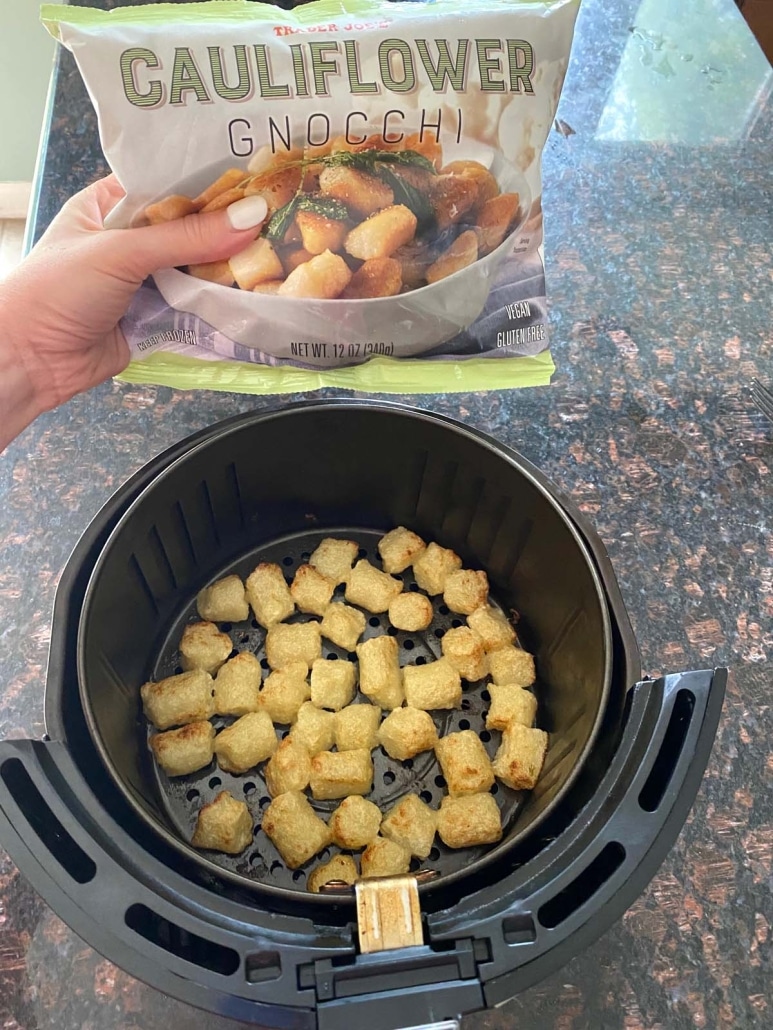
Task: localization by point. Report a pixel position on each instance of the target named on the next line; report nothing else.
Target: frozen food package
(398, 147)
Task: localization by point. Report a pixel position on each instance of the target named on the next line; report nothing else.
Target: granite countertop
(658, 198)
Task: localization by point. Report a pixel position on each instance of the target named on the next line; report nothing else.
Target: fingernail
(247, 212)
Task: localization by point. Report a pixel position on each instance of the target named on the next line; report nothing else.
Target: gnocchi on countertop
(312, 724)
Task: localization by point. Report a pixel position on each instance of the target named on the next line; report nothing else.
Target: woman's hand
(59, 310)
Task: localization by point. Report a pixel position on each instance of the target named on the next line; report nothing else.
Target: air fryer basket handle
(614, 847)
(621, 838)
(506, 937)
(225, 965)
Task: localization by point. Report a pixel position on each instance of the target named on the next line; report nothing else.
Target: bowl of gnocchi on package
(397, 146)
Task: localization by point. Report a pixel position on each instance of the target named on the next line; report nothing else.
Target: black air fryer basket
(103, 836)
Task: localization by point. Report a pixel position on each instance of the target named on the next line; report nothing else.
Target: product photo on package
(397, 147)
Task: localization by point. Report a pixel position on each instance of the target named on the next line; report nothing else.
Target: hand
(59, 310)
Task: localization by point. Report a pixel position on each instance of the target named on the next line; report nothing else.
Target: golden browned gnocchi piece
(378, 277)
(237, 685)
(399, 549)
(223, 601)
(370, 588)
(318, 233)
(382, 234)
(518, 762)
(183, 751)
(276, 187)
(465, 764)
(433, 567)
(246, 742)
(225, 824)
(334, 559)
(412, 824)
(510, 703)
(384, 857)
(224, 200)
(452, 196)
(486, 183)
(336, 774)
(289, 768)
(380, 678)
(495, 218)
(355, 823)
(287, 644)
(203, 646)
(333, 683)
(323, 277)
(178, 699)
(411, 612)
(284, 692)
(492, 627)
(314, 728)
(213, 272)
(462, 252)
(406, 732)
(466, 590)
(169, 209)
(512, 665)
(340, 869)
(464, 649)
(358, 190)
(269, 594)
(294, 829)
(311, 591)
(434, 685)
(343, 625)
(465, 822)
(257, 263)
(229, 180)
(356, 726)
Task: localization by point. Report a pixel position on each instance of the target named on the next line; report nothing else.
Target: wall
(26, 55)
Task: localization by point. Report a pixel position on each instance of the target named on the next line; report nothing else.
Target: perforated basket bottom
(183, 797)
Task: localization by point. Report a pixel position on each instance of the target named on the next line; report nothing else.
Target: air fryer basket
(269, 489)
(147, 902)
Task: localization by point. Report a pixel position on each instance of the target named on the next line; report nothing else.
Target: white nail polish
(247, 212)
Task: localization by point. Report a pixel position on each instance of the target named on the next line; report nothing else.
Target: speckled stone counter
(658, 197)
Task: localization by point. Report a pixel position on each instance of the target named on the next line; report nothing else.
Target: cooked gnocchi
(360, 221)
(316, 700)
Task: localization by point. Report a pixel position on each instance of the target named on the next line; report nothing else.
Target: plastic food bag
(398, 146)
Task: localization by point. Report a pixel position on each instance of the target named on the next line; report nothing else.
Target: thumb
(191, 240)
